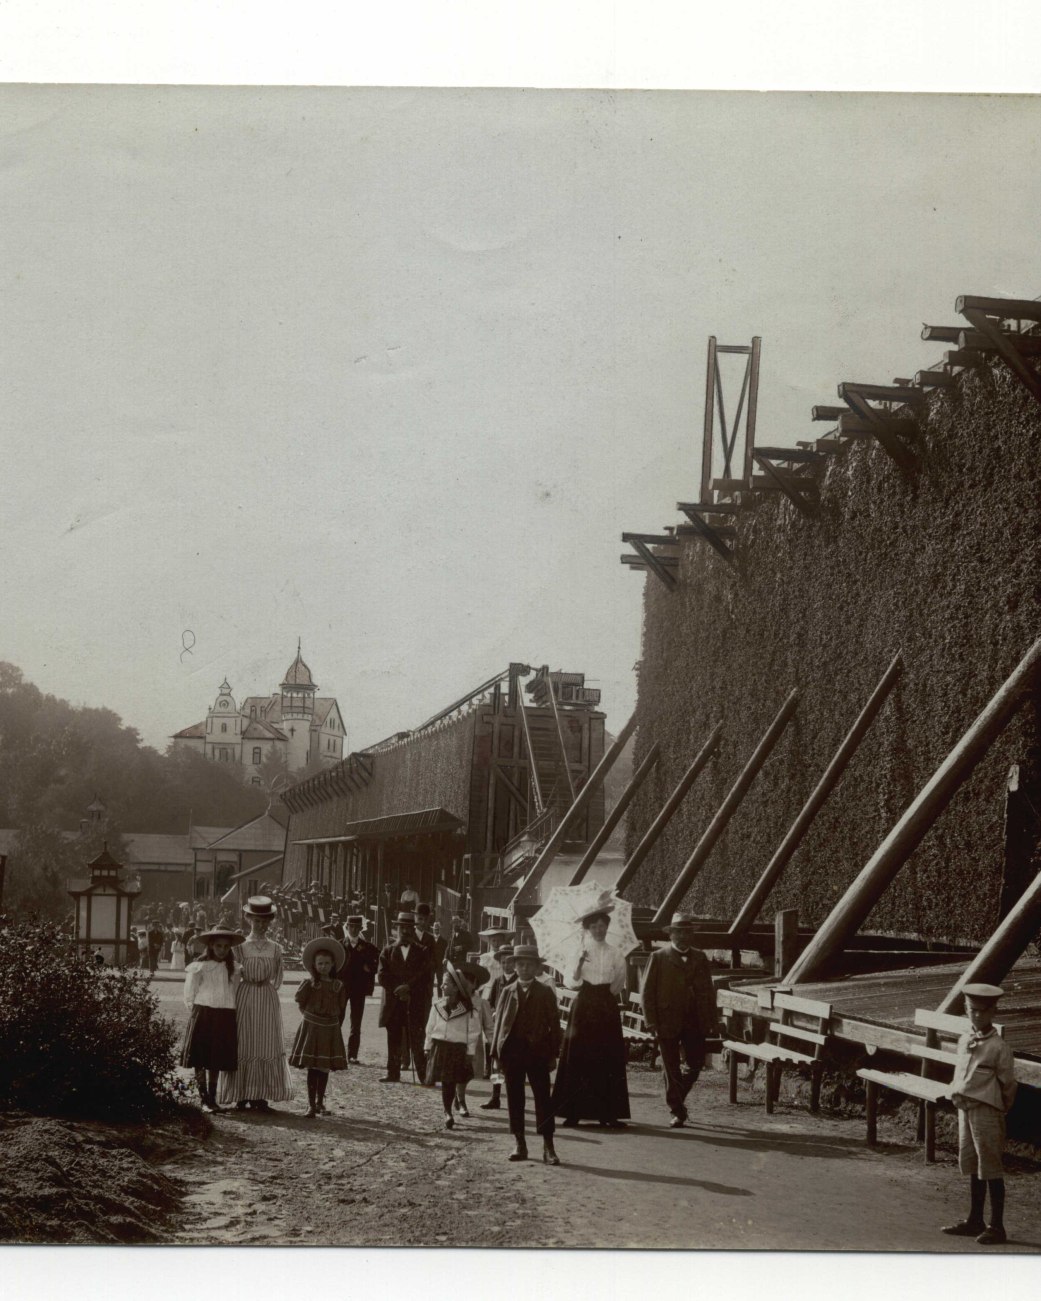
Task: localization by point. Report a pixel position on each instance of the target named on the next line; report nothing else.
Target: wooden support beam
(850, 912)
(934, 378)
(804, 456)
(1027, 345)
(664, 816)
(709, 507)
(654, 563)
(714, 534)
(560, 735)
(726, 811)
(940, 333)
(709, 422)
(826, 413)
(1004, 948)
(753, 400)
(964, 357)
(1005, 309)
(857, 396)
(535, 785)
(615, 816)
(725, 531)
(828, 444)
(635, 562)
(979, 313)
(651, 539)
(829, 780)
(731, 485)
(510, 788)
(802, 493)
(854, 426)
(526, 890)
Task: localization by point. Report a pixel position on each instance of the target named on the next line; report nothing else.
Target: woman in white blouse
(590, 1082)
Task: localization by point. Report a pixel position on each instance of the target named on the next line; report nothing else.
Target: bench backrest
(811, 1009)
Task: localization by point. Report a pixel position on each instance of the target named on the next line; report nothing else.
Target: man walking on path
(526, 1043)
(358, 973)
(679, 1006)
(403, 975)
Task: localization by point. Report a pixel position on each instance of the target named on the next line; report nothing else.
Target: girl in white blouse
(209, 994)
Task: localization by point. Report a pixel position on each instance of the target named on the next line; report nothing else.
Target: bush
(75, 1039)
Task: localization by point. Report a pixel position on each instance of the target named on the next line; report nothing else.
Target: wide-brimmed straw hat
(323, 944)
(605, 904)
(680, 921)
(405, 919)
(259, 905)
(200, 941)
(492, 932)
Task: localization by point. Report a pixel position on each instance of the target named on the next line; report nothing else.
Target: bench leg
(733, 1077)
(872, 1113)
(930, 1131)
(816, 1079)
(770, 1068)
(920, 1131)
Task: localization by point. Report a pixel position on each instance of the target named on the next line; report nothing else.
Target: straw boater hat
(405, 918)
(492, 932)
(200, 941)
(356, 917)
(259, 905)
(605, 904)
(985, 994)
(680, 921)
(323, 944)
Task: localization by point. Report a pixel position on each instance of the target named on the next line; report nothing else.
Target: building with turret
(293, 723)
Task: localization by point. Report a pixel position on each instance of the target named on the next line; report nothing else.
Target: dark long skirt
(590, 1082)
(209, 1041)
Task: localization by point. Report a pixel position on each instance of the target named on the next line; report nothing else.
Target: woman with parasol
(590, 1082)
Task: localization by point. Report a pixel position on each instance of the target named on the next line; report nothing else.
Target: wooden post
(786, 849)
(850, 912)
(786, 938)
(534, 786)
(526, 891)
(615, 816)
(706, 444)
(725, 812)
(650, 836)
(560, 734)
(997, 957)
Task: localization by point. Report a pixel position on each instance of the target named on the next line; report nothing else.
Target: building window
(256, 754)
(223, 727)
(254, 781)
(252, 711)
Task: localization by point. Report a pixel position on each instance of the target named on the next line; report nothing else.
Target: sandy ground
(381, 1170)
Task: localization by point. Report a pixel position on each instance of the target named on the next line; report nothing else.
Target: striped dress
(262, 1074)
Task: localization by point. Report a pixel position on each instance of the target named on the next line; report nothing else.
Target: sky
(391, 370)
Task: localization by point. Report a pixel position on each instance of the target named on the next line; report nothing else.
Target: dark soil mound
(79, 1182)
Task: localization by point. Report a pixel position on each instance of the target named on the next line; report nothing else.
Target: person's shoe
(262, 1104)
(493, 1104)
(207, 1106)
(993, 1236)
(449, 1122)
(390, 1079)
(310, 1113)
(965, 1229)
(612, 1124)
(461, 1108)
(213, 1105)
(520, 1151)
(549, 1154)
(353, 1061)
(569, 1122)
(241, 1105)
(320, 1108)
(677, 1123)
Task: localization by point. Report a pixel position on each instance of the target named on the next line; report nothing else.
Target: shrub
(76, 1039)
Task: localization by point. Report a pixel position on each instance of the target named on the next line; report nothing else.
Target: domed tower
(298, 695)
(224, 728)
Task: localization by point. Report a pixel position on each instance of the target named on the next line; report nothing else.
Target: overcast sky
(391, 370)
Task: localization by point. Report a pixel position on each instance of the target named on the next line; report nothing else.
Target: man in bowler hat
(679, 1006)
(404, 974)
(526, 1043)
(358, 974)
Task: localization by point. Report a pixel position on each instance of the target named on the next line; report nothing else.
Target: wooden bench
(924, 1086)
(776, 1052)
(634, 1026)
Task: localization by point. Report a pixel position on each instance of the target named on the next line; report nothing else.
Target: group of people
(446, 1016)
(439, 1019)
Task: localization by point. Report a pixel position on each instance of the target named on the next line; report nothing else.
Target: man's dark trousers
(404, 1031)
(357, 1005)
(519, 1063)
(679, 1082)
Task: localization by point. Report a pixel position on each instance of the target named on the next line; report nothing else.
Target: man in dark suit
(404, 974)
(461, 943)
(358, 973)
(526, 1043)
(679, 1006)
(421, 1009)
